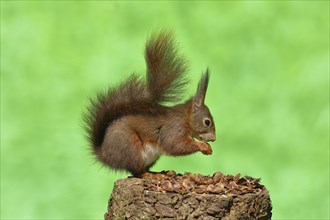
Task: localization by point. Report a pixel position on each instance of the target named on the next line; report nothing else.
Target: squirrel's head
(202, 121)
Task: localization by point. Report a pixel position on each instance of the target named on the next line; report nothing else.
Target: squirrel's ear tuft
(201, 89)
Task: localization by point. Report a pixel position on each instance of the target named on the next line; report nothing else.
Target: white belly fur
(150, 154)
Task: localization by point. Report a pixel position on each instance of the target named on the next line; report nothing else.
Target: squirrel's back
(165, 80)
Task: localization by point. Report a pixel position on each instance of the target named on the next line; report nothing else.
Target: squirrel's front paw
(205, 148)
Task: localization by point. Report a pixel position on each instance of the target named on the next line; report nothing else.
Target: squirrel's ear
(201, 89)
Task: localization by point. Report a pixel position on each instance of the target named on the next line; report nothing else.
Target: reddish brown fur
(128, 126)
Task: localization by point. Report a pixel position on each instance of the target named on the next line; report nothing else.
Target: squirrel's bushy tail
(164, 83)
(166, 68)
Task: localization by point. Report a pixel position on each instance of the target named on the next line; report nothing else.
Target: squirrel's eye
(207, 122)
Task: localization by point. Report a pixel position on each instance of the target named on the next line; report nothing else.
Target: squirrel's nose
(211, 137)
(207, 137)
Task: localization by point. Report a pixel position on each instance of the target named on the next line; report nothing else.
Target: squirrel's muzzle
(207, 137)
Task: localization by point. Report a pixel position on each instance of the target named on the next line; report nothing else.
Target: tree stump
(168, 195)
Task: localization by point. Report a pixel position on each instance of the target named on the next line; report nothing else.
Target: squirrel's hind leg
(121, 149)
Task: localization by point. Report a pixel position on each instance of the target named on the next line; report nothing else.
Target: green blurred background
(269, 94)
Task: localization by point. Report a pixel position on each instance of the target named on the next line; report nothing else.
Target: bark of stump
(168, 195)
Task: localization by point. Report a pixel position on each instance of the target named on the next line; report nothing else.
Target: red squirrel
(130, 127)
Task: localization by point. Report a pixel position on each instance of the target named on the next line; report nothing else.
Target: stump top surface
(218, 183)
